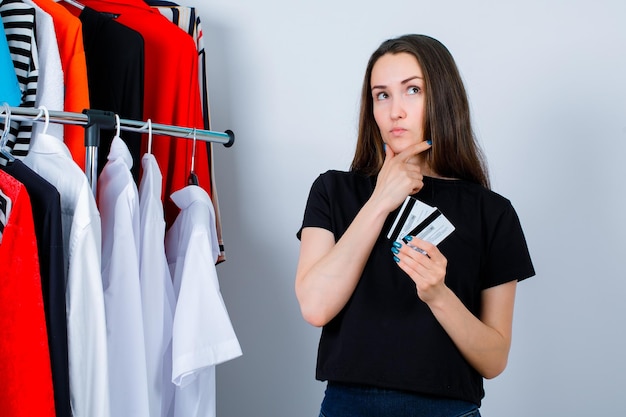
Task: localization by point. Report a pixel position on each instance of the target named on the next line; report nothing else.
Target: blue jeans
(357, 401)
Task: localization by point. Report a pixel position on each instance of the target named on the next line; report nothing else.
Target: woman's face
(399, 100)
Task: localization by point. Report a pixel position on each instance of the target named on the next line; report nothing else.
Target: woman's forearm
(327, 272)
(484, 342)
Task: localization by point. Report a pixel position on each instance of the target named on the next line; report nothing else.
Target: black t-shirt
(386, 336)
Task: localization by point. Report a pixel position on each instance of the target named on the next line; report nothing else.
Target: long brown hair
(455, 152)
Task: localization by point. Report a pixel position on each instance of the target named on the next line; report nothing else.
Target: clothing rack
(93, 120)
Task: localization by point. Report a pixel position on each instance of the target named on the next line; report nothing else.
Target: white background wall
(547, 87)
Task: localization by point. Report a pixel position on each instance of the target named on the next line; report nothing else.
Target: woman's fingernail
(407, 238)
(395, 250)
(430, 142)
(397, 244)
(395, 258)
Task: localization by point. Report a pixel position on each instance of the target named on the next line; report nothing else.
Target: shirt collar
(119, 151)
(184, 197)
(47, 144)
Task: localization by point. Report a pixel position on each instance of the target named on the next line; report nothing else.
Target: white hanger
(73, 3)
(43, 110)
(47, 119)
(149, 123)
(5, 134)
(117, 126)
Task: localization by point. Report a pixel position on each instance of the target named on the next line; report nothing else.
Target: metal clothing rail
(94, 120)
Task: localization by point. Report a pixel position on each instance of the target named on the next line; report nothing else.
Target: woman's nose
(397, 110)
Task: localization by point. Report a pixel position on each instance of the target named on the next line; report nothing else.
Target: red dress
(24, 357)
(171, 92)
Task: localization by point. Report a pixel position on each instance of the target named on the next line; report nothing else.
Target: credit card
(418, 219)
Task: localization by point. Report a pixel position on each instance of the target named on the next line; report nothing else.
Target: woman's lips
(397, 131)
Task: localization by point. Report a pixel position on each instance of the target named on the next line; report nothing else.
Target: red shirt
(24, 357)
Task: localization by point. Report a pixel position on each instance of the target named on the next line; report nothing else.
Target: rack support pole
(96, 120)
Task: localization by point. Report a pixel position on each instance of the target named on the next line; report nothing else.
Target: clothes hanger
(118, 127)
(46, 120)
(43, 111)
(73, 3)
(4, 150)
(149, 123)
(193, 178)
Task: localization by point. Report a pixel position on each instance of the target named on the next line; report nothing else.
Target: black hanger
(193, 178)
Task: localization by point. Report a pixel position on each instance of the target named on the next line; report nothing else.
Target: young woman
(410, 332)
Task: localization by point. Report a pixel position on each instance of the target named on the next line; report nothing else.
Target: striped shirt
(19, 26)
(5, 210)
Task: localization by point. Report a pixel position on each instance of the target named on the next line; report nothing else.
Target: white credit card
(418, 219)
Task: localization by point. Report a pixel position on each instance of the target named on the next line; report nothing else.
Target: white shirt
(203, 335)
(50, 84)
(157, 291)
(86, 325)
(118, 201)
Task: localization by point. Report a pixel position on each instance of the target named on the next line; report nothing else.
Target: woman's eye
(414, 90)
(381, 96)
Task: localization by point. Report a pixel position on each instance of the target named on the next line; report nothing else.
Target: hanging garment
(157, 291)
(86, 325)
(50, 87)
(118, 202)
(186, 18)
(115, 66)
(69, 35)
(5, 210)
(46, 207)
(19, 26)
(203, 336)
(24, 357)
(10, 92)
(171, 93)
